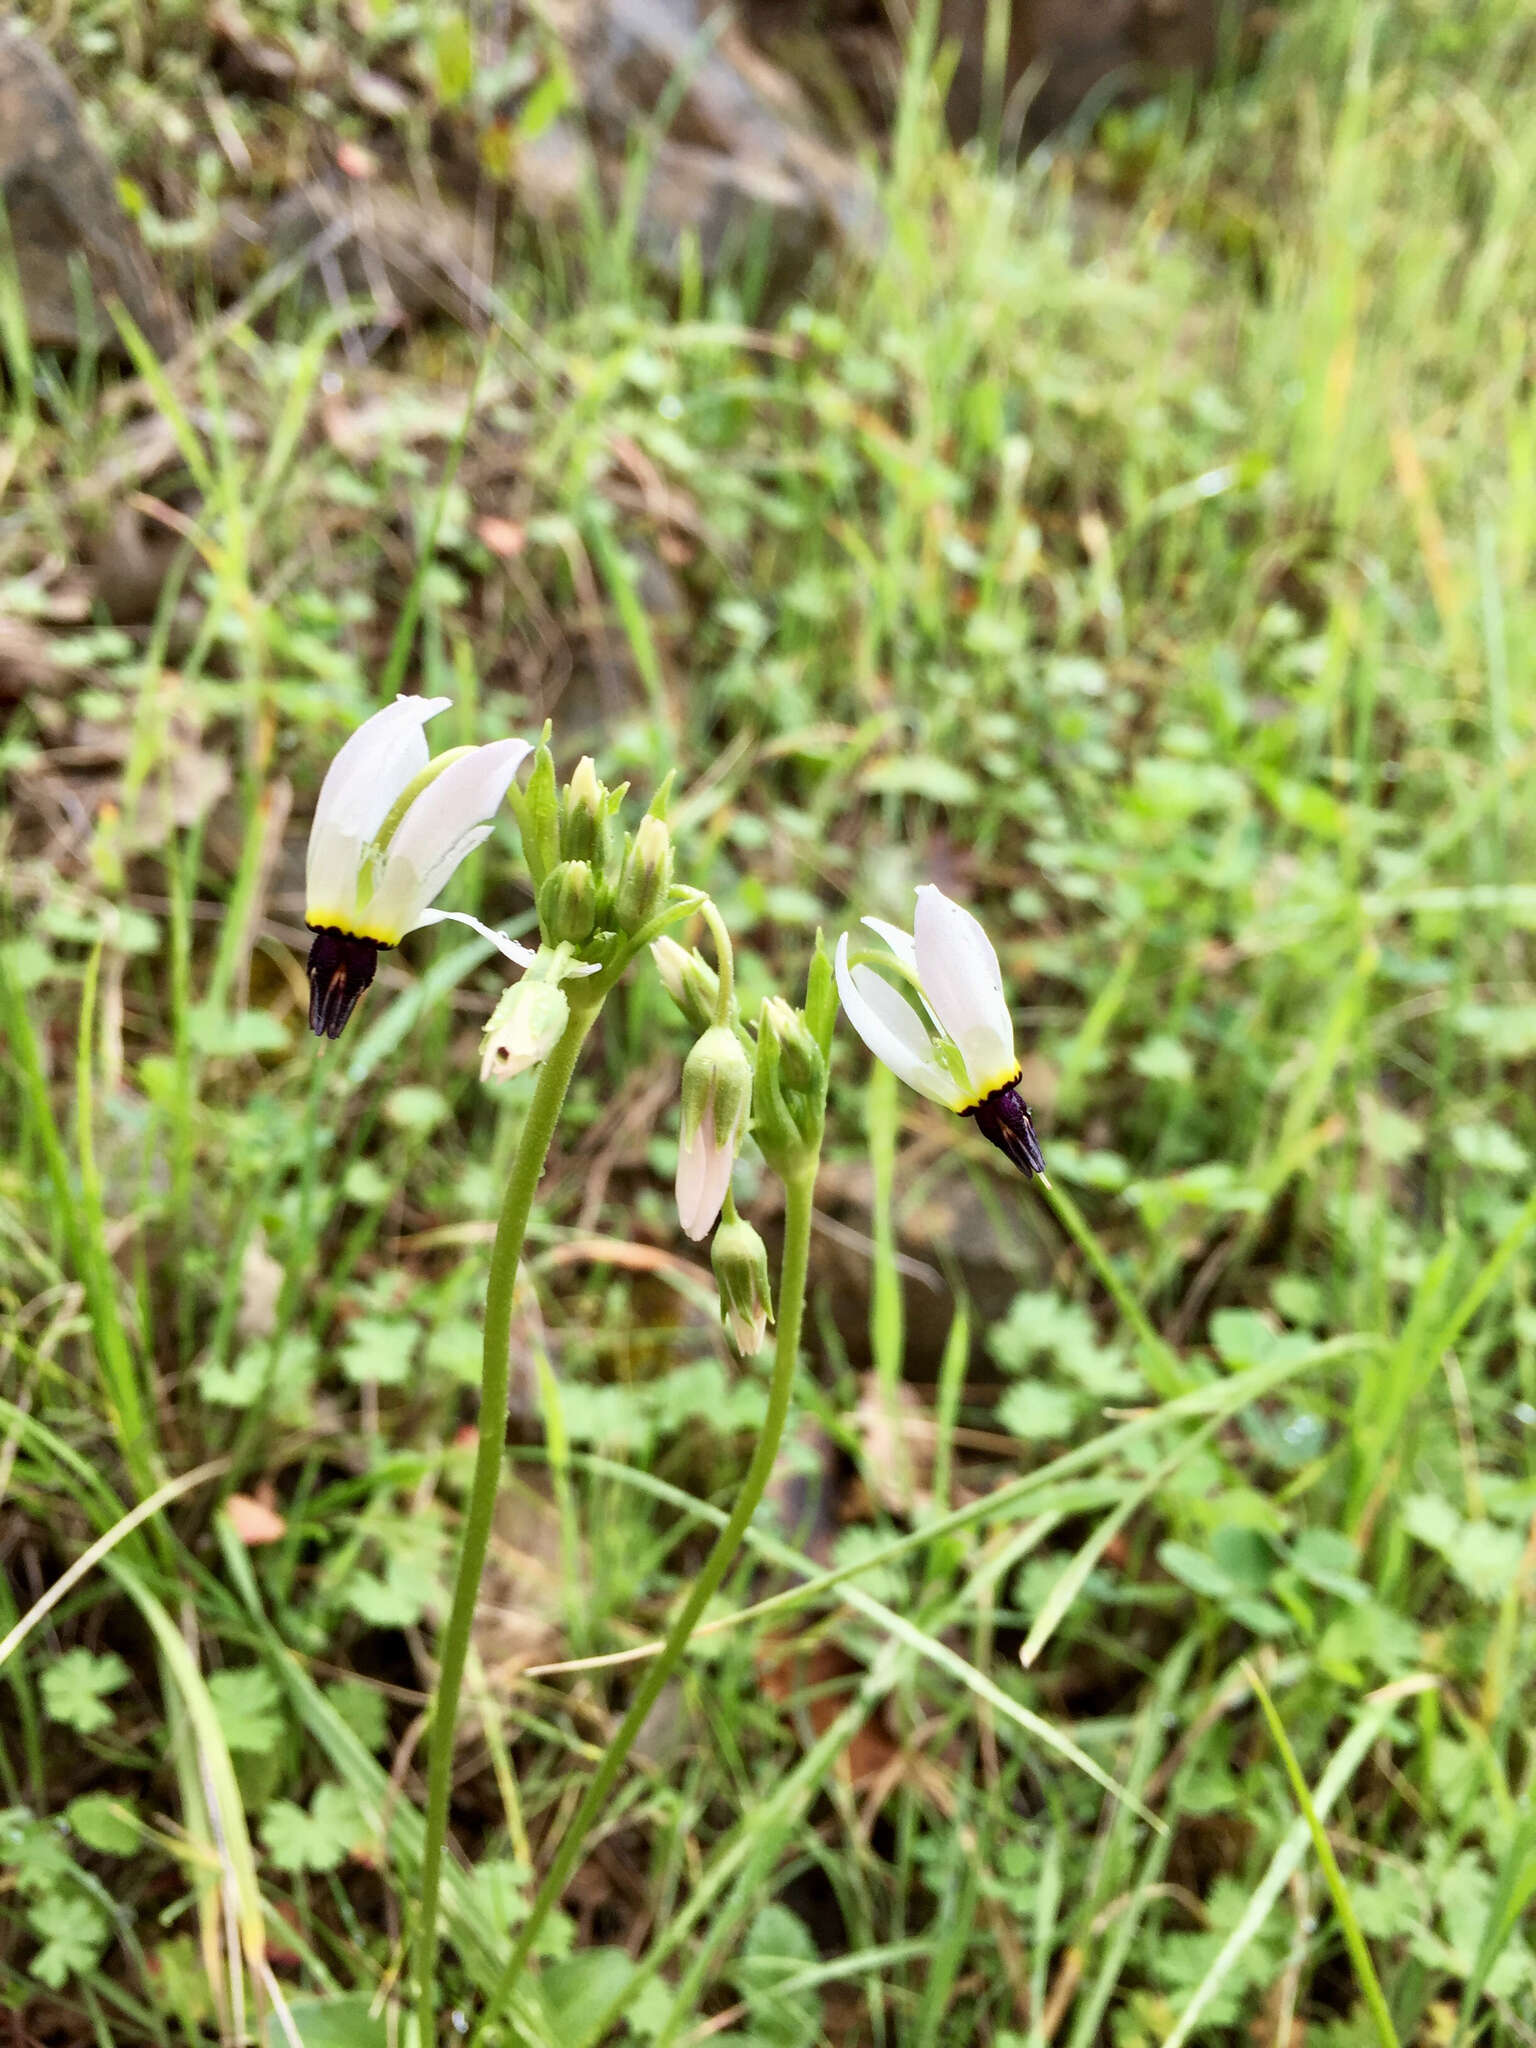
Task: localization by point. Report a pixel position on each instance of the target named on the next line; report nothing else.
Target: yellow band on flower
(977, 1093)
(353, 925)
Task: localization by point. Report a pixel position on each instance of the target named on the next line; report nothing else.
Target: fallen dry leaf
(786, 1670)
(254, 1521)
(261, 1283)
(896, 1436)
(355, 161)
(520, 1614)
(504, 537)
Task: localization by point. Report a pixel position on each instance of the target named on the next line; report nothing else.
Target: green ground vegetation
(1142, 548)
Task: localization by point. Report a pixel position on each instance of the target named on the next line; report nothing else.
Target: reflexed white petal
(746, 1332)
(690, 1177)
(330, 875)
(510, 949)
(901, 943)
(904, 947)
(467, 793)
(703, 1175)
(400, 898)
(442, 828)
(964, 986)
(892, 1030)
(374, 765)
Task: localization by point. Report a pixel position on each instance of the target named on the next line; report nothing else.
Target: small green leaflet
(74, 1688)
(318, 1840)
(246, 1702)
(73, 1934)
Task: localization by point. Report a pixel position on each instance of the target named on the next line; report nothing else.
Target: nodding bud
(584, 814)
(799, 1054)
(740, 1260)
(646, 875)
(689, 980)
(525, 1027)
(568, 902)
(717, 1097)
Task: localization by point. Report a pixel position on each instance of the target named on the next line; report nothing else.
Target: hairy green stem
(798, 1193)
(506, 1254)
(725, 961)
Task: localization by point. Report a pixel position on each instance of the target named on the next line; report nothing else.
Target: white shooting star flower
(391, 826)
(963, 1056)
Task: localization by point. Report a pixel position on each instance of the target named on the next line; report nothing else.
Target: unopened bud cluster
(593, 890)
(781, 1097)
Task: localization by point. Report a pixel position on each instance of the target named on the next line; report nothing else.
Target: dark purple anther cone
(341, 966)
(1003, 1118)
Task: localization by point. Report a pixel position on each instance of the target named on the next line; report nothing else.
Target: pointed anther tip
(1004, 1120)
(341, 968)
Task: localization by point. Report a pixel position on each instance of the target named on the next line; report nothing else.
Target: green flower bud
(689, 980)
(717, 1098)
(584, 815)
(799, 1055)
(789, 1088)
(568, 902)
(646, 875)
(525, 1027)
(740, 1260)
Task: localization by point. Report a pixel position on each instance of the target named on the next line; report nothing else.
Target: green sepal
(821, 997)
(537, 810)
(717, 1082)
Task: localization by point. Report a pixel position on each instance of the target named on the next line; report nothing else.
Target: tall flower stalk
(506, 1254)
(788, 1113)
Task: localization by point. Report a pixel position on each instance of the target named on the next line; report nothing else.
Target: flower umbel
(966, 1060)
(391, 827)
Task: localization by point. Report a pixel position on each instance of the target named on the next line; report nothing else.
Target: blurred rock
(740, 151)
(62, 204)
(1089, 53)
(26, 660)
(1083, 54)
(129, 559)
(553, 172)
(994, 1258)
(362, 239)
